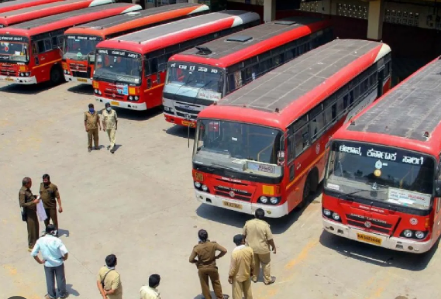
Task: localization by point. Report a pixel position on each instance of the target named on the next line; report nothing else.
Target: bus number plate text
(233, 205)
(369, 239)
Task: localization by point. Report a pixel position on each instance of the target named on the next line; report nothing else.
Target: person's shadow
(72, 291)
(63, 232)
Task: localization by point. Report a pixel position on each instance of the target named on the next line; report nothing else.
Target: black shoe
(112, 150)
(65, 296)
(89, 149)
(97, 148)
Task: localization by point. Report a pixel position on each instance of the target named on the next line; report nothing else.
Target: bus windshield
(203, 81)
(79, 47)
(13, 51)
(378, 173)
(122, 67)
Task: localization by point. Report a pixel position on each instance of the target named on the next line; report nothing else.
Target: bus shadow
(180, 131)
(377, 255)
(81, 89)
(27, 89)
(136, 115)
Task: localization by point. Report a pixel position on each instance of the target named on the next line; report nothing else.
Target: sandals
(273, 280)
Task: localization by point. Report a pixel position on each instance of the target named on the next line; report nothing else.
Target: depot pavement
(139, 204)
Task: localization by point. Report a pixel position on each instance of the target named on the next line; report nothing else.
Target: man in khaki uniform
(50, 196)
(110, 125)
(205, 252)
(28, 203)
(241, 269)
(259, 237)
(92, 126)
(108, 281)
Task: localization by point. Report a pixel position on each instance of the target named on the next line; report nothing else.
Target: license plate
(113, 103)
(233, 205)
(369, 239)
(9, 79)
(82, 80)
(187, 123)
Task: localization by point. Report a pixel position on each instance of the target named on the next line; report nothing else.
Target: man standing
(241, 269)
(54, 254)
(92, 125)
(28, 202)
(259, 237)
(205, 252)
(151, 292)
(109, 282)
(110, 125)
(50, 196)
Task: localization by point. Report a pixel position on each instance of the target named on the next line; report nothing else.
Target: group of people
(253, 250)
(92, 126)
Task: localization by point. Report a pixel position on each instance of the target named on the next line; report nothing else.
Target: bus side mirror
(280, 158)
(437, 188)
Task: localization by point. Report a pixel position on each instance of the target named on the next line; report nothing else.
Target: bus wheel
(56, 75)
(310, 187)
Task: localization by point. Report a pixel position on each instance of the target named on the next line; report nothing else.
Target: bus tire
(310, 187)
(56, 75)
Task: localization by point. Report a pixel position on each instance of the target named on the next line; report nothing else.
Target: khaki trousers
(93, 133)
(213, 274)
(51, 215)
(111, 133)
(264, 260)
(242, 287)
(33, 227)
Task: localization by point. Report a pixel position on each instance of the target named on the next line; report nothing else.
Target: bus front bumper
(393, 243)
(19, 80)
(70, 78)
(123, 104)
(179, 120)
(241, 206)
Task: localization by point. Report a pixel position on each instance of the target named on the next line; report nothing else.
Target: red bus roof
(250, 42)
(122, 23)
(40, 11)
(68, 19)
(403, 116)
(281, 96)
(19, 4)
(162, 36)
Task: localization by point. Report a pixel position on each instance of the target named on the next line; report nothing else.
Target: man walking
(28, 202)
(92, 125)
(259, 237)
(241, 269)
(50, 195)
(205, 252)
(54, 254)
(110, 125)
(109, 282)
(151, 292)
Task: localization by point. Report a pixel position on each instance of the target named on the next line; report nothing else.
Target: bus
(19, 4)
(200, 76)
(130, 70)
(383, 177)
(31, 13)
(80, 41)
(30, 52)
(263, 146)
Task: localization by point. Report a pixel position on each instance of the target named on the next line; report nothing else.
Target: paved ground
(139, 205)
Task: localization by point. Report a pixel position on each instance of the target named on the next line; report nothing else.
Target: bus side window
(147, 71)
(153, 65)
(291, 148)
(301, 140)
(40, 45)
(231, 86)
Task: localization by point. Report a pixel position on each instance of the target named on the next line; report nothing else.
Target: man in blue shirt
(54, 254)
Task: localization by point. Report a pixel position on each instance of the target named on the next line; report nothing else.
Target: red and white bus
(263, 146)
(203, 75)
(80, 41)
(30, 52)
(19, 4)
(130, 70)
(383, 178)
(31, 13)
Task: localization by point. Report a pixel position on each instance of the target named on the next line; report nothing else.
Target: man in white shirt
(54, 254)
(150, 292)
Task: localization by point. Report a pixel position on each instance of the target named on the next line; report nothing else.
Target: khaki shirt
(109, 119)
(258, 234)
(25, 198)
(206, 253)
(242, 263)
(49, 195)
(91, 120)
(112, 282)
(147, 292)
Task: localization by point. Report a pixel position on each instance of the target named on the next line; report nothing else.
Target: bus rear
(382, 182)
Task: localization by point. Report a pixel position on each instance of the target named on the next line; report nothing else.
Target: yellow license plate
(187, 123)
(199, 176)
(368, 239)
(9, 79)
(113, 103)
(82, 80)
(233, 205)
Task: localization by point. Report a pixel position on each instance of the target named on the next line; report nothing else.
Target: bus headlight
(130, 98)
(28, 74)
(335, 216)
(407, 233)
(419, 234)
(274, 200)
(204, 188)
(96, 90)
(197, 185)
(263, 199)
(326, 212)
(136, 98)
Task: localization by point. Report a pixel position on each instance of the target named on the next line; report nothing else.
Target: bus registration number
(82, 80)
(233, 205)
(9, 79)
(369, 239)
(188, 124)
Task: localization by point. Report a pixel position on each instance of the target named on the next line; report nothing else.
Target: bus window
(301, 139)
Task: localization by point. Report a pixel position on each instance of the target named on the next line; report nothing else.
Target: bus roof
(40, 11)
(18, 4)
(250, 42)
(142, 18)
(404, 115)
(179, 31)
(68, 19)
(281, 96)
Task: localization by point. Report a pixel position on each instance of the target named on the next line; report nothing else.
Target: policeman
(92, 125)
(205, 252)
(50, 196)
(28, 202)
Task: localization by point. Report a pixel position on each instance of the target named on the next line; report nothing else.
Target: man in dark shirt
(28, 203)
(205, 252)
(50, 196)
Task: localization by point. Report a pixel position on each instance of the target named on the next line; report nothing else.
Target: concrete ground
(139, 205)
